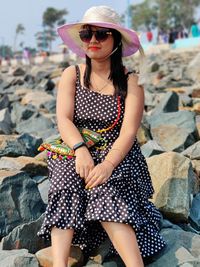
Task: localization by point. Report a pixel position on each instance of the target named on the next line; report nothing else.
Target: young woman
(102, 191)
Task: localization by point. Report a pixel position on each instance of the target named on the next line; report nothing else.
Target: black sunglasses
(101, 35)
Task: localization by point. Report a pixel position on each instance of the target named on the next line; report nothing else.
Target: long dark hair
(117, 73)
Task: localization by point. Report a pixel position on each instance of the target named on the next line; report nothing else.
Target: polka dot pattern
(124, 198)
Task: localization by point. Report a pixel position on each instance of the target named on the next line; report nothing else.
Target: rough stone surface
(172, 137)
(44, 257)
(36, 98)
(193, 152)
(174, 183)
(17, 258)
(195, 212)
(38, 123)
(169, 103)
(43, 188)
(20, 200)
(151, 148)
(182, 119)
(4, 102)
(193, 69)
(25, 236)
(28, 164)
(17, 145)
(143, 134)
(5, 122)
(182, 248)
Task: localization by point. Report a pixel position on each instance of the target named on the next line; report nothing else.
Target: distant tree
(144, 15)
(41, 39)
(19, 30)
(52, 18)
(5, 51)
(163, 14)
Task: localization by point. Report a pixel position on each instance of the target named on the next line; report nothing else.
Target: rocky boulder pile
(169, 139)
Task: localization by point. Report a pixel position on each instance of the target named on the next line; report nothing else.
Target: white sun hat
(101, 16)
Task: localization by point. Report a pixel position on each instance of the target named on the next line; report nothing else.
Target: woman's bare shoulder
(68, 80)
(69, 72)
(133, 83)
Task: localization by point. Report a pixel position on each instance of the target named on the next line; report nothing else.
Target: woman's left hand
(99, 174)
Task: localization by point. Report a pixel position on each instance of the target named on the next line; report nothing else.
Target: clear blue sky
(29, 13)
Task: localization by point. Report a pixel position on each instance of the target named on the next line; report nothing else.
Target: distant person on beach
(26, 56)
(173, 35)
(162, 37)
(194, 30)
(103, 191)
(149, 35)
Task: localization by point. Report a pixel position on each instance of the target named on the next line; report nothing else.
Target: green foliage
(5, 51)
(20, 29)
(163, 14)
(144, 15)
(52, 16)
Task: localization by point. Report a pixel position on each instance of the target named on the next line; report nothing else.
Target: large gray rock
(174, 130)
(192, 152)
(185, 100)
(36, 98)
(193, 69)
(50, 106)
(195, 212)
(36, 124)
(174, 183)
(25, 236)
(43, 188)
(169, 103)
(17, 258)
(46, 84)
(182, 119)
(19, 72)
(183, 249)
(4, 101)
(5, 122)
(150, 99)
(29, 165)
(17, 145)
(172, 137)
(20, 200)
(151, 148)
(75, 259)
(20, 113)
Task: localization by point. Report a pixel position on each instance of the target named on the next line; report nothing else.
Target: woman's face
(98, 47)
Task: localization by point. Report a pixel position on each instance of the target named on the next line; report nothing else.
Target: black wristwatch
(78, 145)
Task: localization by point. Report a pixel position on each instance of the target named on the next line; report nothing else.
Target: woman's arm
(65, 107)
(134, 105)
(65, 113)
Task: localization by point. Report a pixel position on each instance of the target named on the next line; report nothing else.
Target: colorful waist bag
(56, 148)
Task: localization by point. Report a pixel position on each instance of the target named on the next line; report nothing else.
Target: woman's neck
(101, 67)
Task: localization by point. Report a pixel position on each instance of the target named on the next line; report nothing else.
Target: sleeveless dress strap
(78, 75)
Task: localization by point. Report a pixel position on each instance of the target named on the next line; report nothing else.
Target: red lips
(94, 48)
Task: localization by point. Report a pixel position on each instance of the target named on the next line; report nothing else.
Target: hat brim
(69, 35)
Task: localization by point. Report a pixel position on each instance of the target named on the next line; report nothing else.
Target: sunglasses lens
(85, 36)
(101, 35)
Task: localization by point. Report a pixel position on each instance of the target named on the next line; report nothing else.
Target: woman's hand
(83, 162)
(99, 174)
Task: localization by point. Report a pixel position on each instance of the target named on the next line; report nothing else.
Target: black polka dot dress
(124, 198)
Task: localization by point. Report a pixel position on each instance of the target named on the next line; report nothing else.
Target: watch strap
(78, 145)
